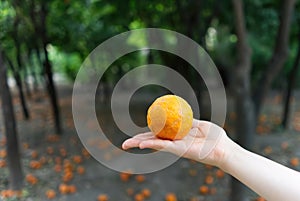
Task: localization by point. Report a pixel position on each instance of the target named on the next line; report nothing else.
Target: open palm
(203, 143)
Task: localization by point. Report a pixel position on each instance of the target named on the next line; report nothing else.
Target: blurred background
(254, 44)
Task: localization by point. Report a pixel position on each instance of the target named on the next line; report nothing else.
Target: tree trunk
(13, 156)
(244, 107)
(279, 56)
(20, 88)
(21, 95)
(19, 68)
(291, 84)
(52, 91)
(48, 71)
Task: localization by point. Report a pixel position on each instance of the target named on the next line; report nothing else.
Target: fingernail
(124, 146)
(141, 146)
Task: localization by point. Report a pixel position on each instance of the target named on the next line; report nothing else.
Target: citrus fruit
(170, 117)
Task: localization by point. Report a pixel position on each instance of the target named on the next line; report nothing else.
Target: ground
(63, 159)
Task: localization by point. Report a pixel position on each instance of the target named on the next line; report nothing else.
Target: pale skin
(267, 178)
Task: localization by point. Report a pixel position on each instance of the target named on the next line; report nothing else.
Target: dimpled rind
(170, 117)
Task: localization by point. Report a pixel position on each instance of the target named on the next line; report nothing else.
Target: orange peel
(170, 117)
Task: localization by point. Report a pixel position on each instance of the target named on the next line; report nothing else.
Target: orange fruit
(102, 197)
(72, 189)
(2, 163)
(170, 197)
(170, 117)
(204, 189)
(146, 192)
(294, 161)
(10, 193)
(50, 194)
(63, 188)
(35, 164)
(80, 170)
(220, 173)
(209, 179)
(139, 197)
(31, 179)
(3, 153)
(260, 199)
(140, 178)
(125, 176)
(34, 154)
(77, 159)
(68, 176)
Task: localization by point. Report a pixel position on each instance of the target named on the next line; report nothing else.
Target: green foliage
(75, 27)
(65, 63)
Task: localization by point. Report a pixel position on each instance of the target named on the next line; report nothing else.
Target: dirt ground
(60, 157)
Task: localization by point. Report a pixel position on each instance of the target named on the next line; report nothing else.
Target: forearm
(271, 180)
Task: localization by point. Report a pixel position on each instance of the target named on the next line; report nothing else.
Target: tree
(279, 56)
(17, 76)
(242, 93)
(12, 147)
(291, 84)
(40, 27)
(48, 69)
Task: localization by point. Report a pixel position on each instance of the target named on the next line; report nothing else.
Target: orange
(170, 197)
(31, 179)
(204, 189)
(63, 188)
(34, 154)
(2, 163)
(294, 161)
(220, 173)
(3, 153)
(140, 178)
(146, 192)
(80, 170)
(209, 179)
(72, 189)
(50, 194)
(139, 197)
(170, 117)
(124, 176)
(77, 159)
(102, 197)
(35, 164)
(260, 199)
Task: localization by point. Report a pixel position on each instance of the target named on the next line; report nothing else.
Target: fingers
(136, 140)
(206, 127)
(131, 143)
(156, 144)
(145, 140)
(201, 124)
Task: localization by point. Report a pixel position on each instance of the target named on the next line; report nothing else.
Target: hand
(206, 143)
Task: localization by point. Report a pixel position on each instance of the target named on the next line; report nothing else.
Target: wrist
(229, 151)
